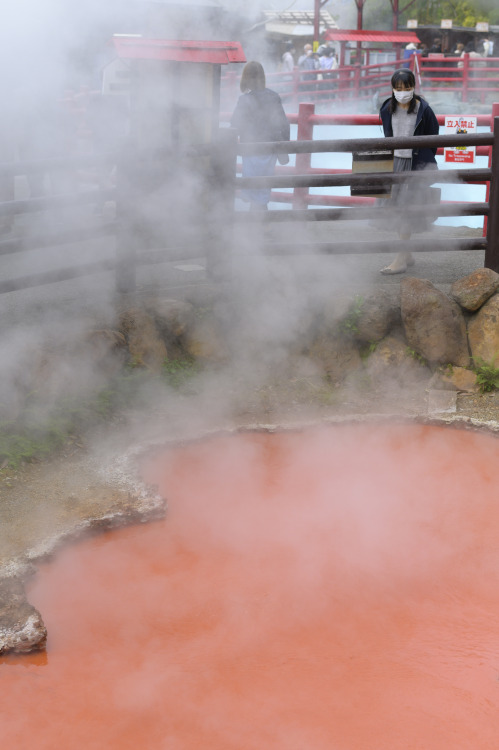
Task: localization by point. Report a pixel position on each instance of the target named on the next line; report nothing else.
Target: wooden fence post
(495, 113)
(303, 161)
(126, 251)
(220, 204)
(492, 251)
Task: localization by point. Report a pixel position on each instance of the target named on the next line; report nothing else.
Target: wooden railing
(489, 208)
(140, 174)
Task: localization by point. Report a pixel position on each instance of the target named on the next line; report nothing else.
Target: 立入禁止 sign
(460, 124)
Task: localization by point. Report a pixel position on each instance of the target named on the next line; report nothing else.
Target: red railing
(468, 78)
(345, 83)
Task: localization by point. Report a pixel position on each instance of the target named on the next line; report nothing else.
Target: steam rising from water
(300, 593)
(46, 48)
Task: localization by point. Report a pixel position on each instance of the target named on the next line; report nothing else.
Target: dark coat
(259, 117)
(426, 124)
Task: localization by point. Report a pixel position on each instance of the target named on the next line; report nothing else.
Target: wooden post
(495, 113)
(303, 161)
(126, 197)
(492, 251)
(220, 204)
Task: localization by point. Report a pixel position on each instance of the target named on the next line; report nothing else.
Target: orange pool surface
(332, 589)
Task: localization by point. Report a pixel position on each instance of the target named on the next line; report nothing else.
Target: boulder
(454, 379)
(434, 324)
(106, 350)
(373, 317)
(145, 345)
(173, 317)
(21, 625)
(483, 333)
(475, 289)
(392, 360)
(336, 356)
(205, 341)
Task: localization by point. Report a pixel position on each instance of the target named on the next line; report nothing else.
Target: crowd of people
(321, 62)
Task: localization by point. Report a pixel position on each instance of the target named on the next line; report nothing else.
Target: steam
(267, 311)
(298, 578)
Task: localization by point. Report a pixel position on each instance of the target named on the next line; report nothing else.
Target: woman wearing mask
(405, 114)
(259, 117)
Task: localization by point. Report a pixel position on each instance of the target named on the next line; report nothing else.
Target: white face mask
(404, 97)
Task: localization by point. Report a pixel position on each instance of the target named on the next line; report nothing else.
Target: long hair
(407, 79)
(253, 77)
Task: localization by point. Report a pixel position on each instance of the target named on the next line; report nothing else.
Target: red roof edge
(140, 48)
(366, 35)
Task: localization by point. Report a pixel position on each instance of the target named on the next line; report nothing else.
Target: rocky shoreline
(419, 343)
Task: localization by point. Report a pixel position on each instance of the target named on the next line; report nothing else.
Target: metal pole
(492, 251)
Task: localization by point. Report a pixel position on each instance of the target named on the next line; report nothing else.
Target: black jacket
(259, 117)
(426, 124)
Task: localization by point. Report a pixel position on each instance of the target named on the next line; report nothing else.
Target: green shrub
(487, 376)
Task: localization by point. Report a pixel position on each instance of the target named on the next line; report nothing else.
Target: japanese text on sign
(461, 125)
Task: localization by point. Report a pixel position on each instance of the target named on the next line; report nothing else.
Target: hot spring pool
(331, 589)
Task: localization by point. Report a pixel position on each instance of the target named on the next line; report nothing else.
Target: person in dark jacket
(406, 114)
(259, 117)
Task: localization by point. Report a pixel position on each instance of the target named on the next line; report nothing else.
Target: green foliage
(416, 356)
(178, 372)
(350, 324)
(368, 349)
(487, 376)
(462, 12)
(37, 433)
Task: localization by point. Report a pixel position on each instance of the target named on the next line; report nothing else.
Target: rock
(392, 360)
(21, 625)
(377, 315)
(474, 290)
(434, 324)
(106, 349)
(172, 316)
(205, 341)
(483, 333)
(145, 345)
(337, 356)
(454, 379)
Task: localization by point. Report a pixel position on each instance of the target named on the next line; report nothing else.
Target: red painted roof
(138, 48)
(364, 35)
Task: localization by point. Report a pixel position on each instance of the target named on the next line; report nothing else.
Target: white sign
(482, 26)
(460, 124)
(446, 23)
(412, 23)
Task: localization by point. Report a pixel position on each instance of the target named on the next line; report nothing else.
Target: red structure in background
(397, 38)
(138, 48)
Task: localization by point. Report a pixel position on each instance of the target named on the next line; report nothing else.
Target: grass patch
(38, 433)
